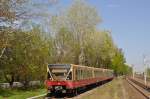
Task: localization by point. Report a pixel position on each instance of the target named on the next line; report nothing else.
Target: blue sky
(129, 22)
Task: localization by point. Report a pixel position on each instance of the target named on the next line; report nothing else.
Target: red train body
(68, 78)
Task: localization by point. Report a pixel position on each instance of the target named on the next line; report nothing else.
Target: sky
(129, 23)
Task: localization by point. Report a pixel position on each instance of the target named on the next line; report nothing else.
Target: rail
(139, 87)
(42, 95)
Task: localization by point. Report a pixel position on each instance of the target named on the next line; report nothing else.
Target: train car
(67, 78)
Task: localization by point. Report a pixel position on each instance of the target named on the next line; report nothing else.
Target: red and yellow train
(67, 78)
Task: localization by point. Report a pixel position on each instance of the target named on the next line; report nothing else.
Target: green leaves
(73, 39)
(78, 41)
(27, 56)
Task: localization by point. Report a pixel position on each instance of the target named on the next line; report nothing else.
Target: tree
(148, 72)
(74, 39)
(80, 19)
(78, 41)
(27, 56)
(118, 62)
(15, 14)
(14, 41)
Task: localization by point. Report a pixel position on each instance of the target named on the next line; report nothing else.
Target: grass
(20, 94)
(111, 90)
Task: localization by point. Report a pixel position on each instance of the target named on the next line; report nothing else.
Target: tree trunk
(9, 80)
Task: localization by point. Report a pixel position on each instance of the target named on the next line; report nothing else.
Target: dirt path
(132, 92)
(117, 89)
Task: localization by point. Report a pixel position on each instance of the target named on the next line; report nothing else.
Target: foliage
(74, 39)
(148, 72)
(27, 56)
(79, 41)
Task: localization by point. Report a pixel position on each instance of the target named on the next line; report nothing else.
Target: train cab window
(69, 76)
(48, 75)
(59, 74)
(59, 71)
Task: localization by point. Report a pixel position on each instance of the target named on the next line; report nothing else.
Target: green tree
(17, 47)
(27, 56)
(118, 62)
(80, 19)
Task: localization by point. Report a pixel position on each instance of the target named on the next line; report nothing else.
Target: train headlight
(49, 87)
(50, 78)
(58, 88)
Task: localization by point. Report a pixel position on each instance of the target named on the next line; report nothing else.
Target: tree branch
(2, 52)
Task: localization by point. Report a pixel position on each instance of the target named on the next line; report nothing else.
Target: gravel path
(117, 89)
(132, 92)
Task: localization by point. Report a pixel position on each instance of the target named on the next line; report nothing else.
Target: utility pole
(145, 69)
(133, 71)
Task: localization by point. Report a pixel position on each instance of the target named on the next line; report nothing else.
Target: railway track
(139, 87)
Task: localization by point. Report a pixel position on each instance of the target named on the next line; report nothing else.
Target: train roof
(92, 67)
(69, 65)
(59, 65)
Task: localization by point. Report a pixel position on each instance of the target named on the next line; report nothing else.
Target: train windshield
(59, 72)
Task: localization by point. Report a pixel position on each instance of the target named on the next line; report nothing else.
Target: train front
(59, 77)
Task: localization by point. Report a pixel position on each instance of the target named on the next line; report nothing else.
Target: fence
(19, 84)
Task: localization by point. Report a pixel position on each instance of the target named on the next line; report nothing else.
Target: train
(68, 78)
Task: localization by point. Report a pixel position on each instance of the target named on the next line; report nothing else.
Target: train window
(87, 74)
(77, 74)
(59, 74)
(48, 75)
(90, 73)
(82, 74)
(59, 71)
(69, 76)
(98, 73)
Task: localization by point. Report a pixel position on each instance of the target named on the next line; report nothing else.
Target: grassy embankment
(20, 94)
